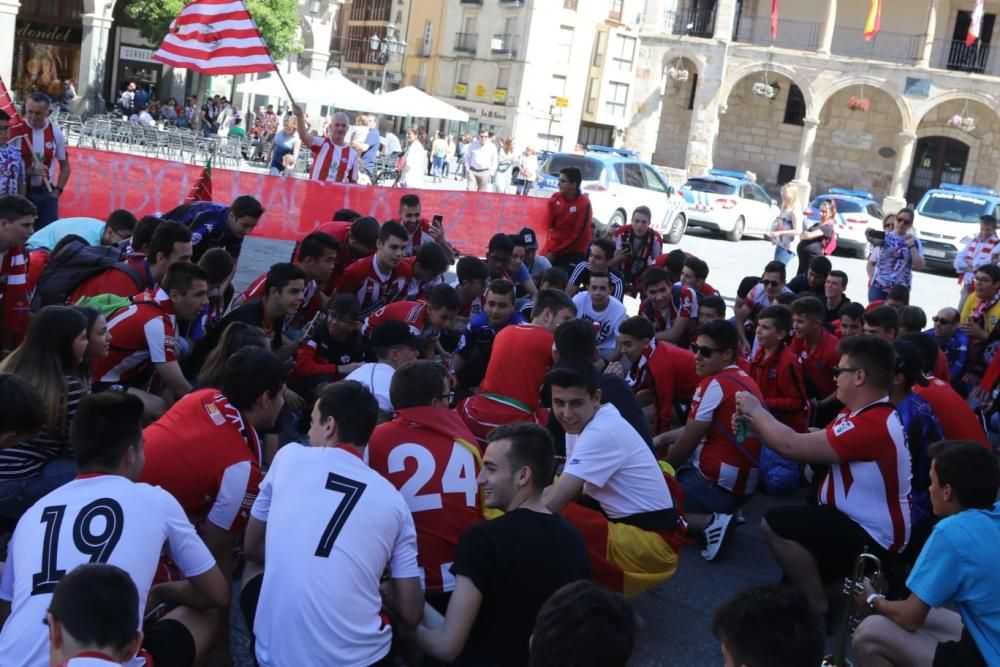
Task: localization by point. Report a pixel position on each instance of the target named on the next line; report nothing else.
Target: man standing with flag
(333, 158)
(42, 144)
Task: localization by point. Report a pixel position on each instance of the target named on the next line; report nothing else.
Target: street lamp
(383, 49)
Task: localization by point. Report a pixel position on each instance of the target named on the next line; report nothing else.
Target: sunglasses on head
(941, 320)
(704, 350)
(770, 283)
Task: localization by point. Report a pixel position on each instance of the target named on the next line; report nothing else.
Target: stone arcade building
(881, 115)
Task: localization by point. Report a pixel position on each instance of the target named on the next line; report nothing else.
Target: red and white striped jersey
(331, 162)
(871, 485)
(142, 335)
(372, 288)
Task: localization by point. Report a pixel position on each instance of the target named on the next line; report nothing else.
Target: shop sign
(461, 90)
(500, 96)
(480, 90)
(39, 32)
(136, 54)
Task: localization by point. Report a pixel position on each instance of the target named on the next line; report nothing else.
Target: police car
(729, 202)
(948, 218)
(617, 182)
(856, 211)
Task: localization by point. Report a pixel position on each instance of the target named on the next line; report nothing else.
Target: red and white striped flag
(202, 190)
(7, 104)
(975, 24)
(215, 37)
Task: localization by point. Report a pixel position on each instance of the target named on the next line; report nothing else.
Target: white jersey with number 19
(93, 519)
(333, 526)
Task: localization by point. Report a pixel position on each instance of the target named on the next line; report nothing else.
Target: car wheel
(617, 221)
(677, 229)
(738, 228)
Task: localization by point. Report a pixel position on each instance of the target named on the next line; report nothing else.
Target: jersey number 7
(352, 491)
(97, 545)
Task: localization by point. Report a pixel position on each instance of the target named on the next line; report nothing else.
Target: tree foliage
(278, 21)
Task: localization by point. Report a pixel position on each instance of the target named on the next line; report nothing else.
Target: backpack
(72, 265)
(106, 304)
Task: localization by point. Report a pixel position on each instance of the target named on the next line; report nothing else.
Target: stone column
(829, 25)
(704, 130)
(317, 60)
(905, 144)
(8, 17)
(725, 19)
(928, 46)
(804, 165)
(90, 78)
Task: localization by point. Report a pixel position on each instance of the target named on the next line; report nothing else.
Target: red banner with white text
(103, 181)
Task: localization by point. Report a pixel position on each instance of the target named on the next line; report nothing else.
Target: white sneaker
(716, 532)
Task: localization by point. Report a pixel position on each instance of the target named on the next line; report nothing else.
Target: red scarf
(14, 298)
(638, 374)
(974, 252)
(26, 139)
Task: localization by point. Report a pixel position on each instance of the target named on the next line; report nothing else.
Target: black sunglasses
(941, 320)
(704, 350)
(770, 283)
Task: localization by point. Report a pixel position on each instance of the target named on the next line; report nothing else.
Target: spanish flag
(874, 20)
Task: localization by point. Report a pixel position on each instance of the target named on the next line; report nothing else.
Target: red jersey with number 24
(428, 454)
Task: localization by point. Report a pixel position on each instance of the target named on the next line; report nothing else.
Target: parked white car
(618, 182)
(729, 202)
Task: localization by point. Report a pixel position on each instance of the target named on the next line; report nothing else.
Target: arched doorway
(936, 160)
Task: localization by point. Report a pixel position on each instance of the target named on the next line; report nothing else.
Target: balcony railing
(466, 42)
(895, 47)
(694, 23)
(956, 56)
(504, 46)
(802, 35)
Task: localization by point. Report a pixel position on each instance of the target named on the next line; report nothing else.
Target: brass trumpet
(867, 566)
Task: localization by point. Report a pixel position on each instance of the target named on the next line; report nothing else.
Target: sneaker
(716, 532)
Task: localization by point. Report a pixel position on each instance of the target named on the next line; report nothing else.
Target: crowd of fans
(394, 468)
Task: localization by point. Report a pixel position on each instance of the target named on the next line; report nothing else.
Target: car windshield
(955, 207)
(843, 206)
(589, 167)
(713, 187)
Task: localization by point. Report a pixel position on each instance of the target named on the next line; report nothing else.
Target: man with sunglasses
(864, 500)
(951, 341)
(717, 471)
(765, 293)
(426, 442)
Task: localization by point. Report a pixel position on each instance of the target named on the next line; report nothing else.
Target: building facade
(352, 48)
(551, 73)
(820, 106)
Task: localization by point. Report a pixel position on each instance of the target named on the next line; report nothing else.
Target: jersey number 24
(459, 475)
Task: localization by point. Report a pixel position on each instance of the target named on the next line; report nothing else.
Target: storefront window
(48, 34)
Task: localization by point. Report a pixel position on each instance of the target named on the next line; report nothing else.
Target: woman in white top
(788, 225)
(528, 173)
(505, 166)
(414, 161)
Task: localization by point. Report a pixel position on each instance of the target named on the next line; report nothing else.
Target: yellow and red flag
(874, 21)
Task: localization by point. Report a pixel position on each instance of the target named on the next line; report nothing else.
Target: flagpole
(277, 70)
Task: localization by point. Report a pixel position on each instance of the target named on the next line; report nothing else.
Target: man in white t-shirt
(42, 145)
(395, 345)
(609, 461)
(325, 527)
(333, 158)
(104, 517)
(598, 306)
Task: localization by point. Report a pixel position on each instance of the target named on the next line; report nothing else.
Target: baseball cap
(530, 238)
(394, 333)
(910, 363)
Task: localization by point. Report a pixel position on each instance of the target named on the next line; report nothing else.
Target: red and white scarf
(15, 300)
(638, 374)
(979, 252)
(25, 137)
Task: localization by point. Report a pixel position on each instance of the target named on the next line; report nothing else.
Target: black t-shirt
(517, 562)
(249, 313)
(800, 285)
(833, 314)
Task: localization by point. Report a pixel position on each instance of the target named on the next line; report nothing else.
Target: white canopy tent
(299, 85)
(338, 92)
(410, 101)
